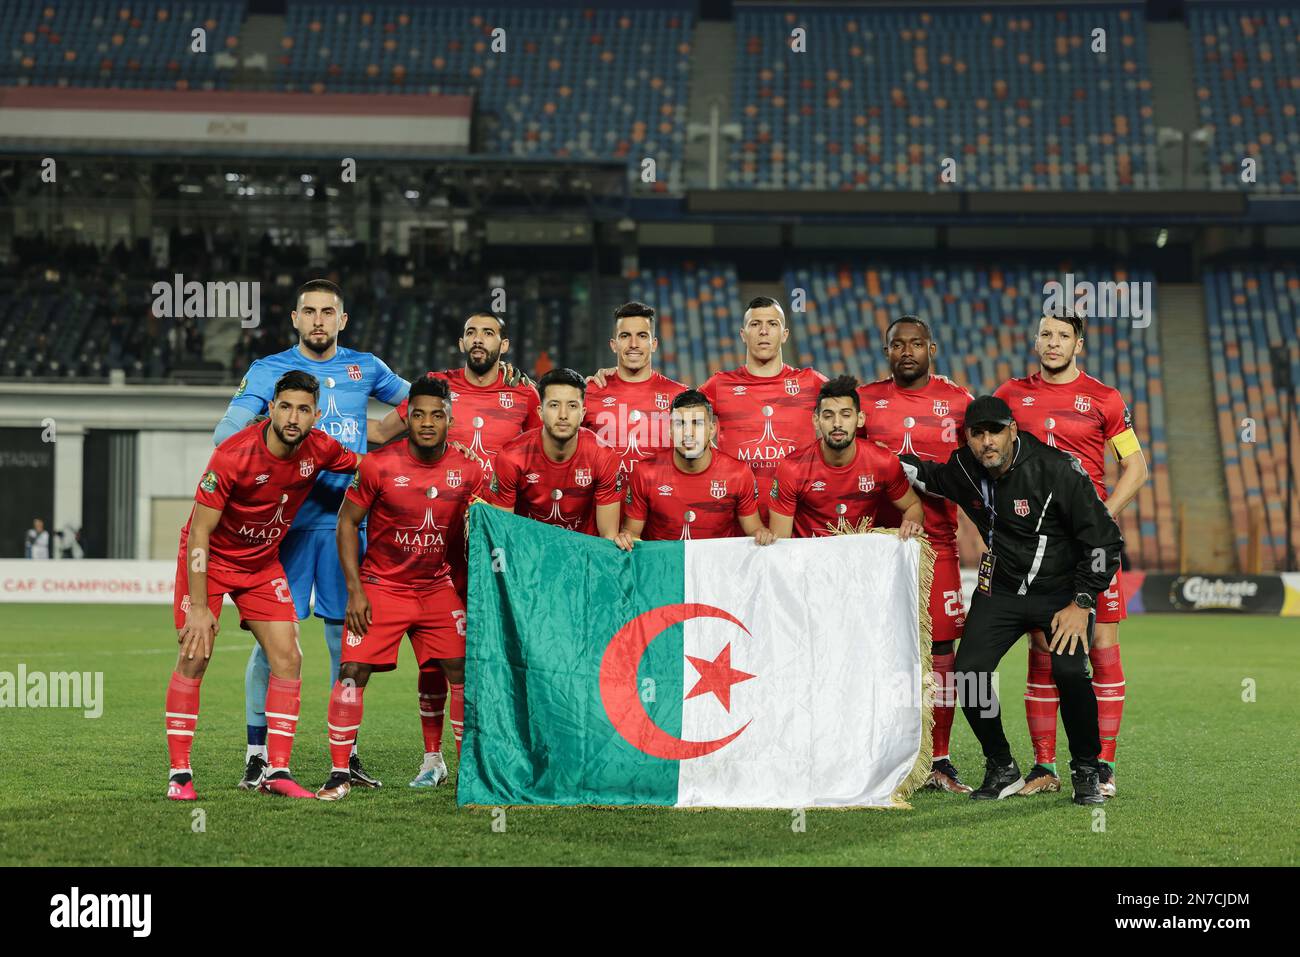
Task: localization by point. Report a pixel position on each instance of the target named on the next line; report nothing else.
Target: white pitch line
(133, 651)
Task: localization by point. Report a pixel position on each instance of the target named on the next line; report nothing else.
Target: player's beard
(484, 366)
(319, 348)
(1054, 370)
(292, 443)
(843, 444)
(908, 376)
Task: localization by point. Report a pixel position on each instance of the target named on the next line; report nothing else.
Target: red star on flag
(717, 676)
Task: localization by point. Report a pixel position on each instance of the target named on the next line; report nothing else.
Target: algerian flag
(693, 673)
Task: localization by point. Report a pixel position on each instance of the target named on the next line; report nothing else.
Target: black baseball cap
(988, 410)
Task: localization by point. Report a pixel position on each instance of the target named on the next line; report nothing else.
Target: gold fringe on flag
(920, 772)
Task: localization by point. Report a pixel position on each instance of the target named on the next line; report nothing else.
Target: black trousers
(994, 624)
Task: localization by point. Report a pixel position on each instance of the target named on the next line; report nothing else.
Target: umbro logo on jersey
(882, 403)
(1027, 400)
(401, 481)
(940, 407)
(665, 490)
(792, 386)
(1083, 402)
(608, 401)
(454, 395)
(506, 399)
(306, 467)
(737, 390)
(354, 373)
(261, 479)
(453, 478)
(818, 486)
(532, 478)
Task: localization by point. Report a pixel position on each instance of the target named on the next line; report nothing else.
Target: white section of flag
(835, 649)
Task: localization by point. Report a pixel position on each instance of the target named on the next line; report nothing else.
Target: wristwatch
(1084, 600)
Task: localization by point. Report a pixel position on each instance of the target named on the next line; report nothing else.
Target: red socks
(1041, 702)
(343, 721)
(433, 699)
(182, 714)
(945, 699)
(457, 712)
(1108, 682)
(282, 699)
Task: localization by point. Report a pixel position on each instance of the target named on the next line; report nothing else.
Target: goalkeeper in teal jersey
(309, 552)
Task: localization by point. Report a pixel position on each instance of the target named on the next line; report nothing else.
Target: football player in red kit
(416, 493)
(694, 490)
(559, 473)
(764, 409)
(493, 405)
(1070, 410)
(918, 412)
(628, 410)
(840, 481)
(253, 486)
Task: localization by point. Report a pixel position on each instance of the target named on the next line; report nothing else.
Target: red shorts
(435, 620)
(1110, 603)
(947, 612)
(261, 595)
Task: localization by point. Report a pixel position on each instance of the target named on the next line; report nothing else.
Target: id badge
(984, 576)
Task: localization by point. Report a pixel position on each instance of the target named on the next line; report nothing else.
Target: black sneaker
(999, 782)
(254, 772)
(359, 776)
(1087, 785)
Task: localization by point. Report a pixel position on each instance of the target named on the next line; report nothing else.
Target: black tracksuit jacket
(1049, 531)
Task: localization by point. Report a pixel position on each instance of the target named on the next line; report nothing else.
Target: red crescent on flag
(618, 682)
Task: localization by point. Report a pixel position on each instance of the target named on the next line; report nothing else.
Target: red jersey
(486, 417)
(1079, 417)
(684, 505)
(259, 494)
(820, 496)
(632, 418)
(761, 420)
(926, 422)
(558, 493)
(417, 514)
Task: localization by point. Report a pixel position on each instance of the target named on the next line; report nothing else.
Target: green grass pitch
(1204, 777)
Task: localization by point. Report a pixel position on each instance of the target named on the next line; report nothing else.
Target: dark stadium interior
(772, 173)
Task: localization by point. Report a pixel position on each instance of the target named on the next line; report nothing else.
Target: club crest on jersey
(453, 478)
(718, 489)
(866, 482)
(582, 477)
(506, 400)
(940, 407)
(1022, 507)
(354, 373)
(1082, 403)
(792, 386)
(354, 639)
(306, 467)
(662, 401)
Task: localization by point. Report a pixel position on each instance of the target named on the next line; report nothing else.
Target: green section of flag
(543, 605)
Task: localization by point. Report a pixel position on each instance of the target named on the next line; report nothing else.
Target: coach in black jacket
(1052, 548)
